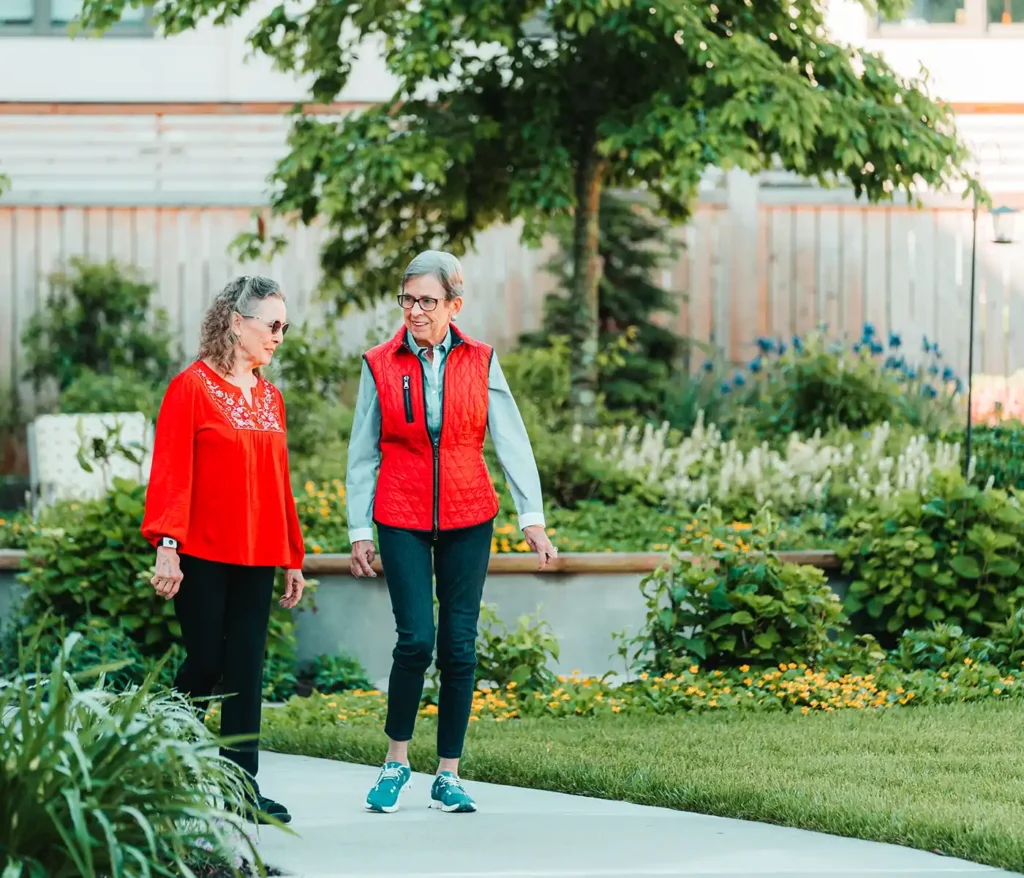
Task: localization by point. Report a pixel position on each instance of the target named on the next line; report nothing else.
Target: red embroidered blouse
(220, 483)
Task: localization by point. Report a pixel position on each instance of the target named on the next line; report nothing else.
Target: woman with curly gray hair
(220, 511)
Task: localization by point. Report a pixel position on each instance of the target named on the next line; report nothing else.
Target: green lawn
(949, 779)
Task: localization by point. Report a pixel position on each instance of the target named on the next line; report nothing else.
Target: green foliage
(94, 783)
(952, 556)
(120, 391)
(520, 656)
(111, 647)
(726, 608)
(634, 247)
(998, 453)
(99, 318)
(314, 376)
(329, 674)
(90, 566)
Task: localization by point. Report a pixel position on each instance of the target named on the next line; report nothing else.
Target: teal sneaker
(449, 795)
(393, 780)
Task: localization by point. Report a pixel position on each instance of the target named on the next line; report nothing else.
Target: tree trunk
(583, 375)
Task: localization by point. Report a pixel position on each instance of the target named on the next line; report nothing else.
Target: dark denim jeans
(410, 559)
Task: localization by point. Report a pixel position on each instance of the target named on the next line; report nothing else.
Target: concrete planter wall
(585, 598)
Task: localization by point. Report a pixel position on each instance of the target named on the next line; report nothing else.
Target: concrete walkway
(527, 834)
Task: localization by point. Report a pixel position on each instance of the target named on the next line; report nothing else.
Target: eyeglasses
(427, 303)
(275, 327)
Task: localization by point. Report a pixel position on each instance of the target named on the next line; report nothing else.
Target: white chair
(54, 442)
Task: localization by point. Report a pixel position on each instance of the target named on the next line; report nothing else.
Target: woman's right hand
(168, 573)
(362, 559)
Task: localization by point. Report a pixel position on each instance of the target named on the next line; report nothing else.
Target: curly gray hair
(441, 265)
(217, 339)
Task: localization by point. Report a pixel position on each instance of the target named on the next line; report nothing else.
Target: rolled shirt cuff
(360, 533)
(530, 519)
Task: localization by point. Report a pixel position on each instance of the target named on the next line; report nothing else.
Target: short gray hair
(440, 265)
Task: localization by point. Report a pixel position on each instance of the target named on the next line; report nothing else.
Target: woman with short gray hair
(220, 512)
(416, 469)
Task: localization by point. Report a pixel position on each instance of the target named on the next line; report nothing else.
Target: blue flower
(910, 372)
(798, 344)
(857, 347)
(755, 364)
(869, 331)
(765, 345)
(928, 391)
(948, 374)
(933, 369)
(781, 345)
(894, 340)
(959, 386)
(876, 347)
(925, 344)
(739, 380)
(725, 387)
(708, 366)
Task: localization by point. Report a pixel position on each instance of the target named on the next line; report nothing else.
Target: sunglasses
(275, 327)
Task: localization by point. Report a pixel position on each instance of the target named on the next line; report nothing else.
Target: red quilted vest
(422, 487)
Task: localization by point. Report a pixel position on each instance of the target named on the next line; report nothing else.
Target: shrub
(520, 656)
(100, 318)
(89, 568)
(953, 556)
(333, 673)
(998, 453)
(121, 391)
(100, 646)
(313, 375)
(93, 783)
(729, 608)
(807, 473)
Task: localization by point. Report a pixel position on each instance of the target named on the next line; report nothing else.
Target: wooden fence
(842, 264)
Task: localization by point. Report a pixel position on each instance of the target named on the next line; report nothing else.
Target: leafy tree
(527, 109)
(633, 247)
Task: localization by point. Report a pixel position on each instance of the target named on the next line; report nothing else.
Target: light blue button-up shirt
(504, 423)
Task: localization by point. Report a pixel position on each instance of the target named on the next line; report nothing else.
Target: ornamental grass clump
(95, 783)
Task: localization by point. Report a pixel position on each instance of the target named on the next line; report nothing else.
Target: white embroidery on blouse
(261, 416)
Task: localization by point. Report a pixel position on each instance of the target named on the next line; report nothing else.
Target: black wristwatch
(167, 543)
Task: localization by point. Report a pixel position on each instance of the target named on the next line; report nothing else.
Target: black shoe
(268, 807)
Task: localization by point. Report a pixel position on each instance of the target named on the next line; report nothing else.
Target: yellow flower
(616, 709)
(744, 668)
(694, 669)
(310, 488)
(512, 685)
(644, 676)
(316, 549)
(552, 704)
(805, 709)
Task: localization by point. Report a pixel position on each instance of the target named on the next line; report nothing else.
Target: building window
(1005, 11)
(52, 17)
(927, 12)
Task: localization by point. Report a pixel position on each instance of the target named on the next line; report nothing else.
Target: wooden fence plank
(780, 270)
(829, 279)
(877, 255)
(9, 366)
(852, 234)
(806, 242)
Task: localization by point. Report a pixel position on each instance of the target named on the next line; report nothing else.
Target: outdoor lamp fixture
(1003, 221)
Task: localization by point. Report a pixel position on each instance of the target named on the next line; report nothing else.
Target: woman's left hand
(294, 583)
(537, 538)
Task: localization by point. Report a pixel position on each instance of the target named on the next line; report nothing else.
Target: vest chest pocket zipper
(407, 396)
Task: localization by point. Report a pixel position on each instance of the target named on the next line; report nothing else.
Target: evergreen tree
(634, 247)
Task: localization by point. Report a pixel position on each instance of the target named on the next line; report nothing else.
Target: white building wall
(209, 64)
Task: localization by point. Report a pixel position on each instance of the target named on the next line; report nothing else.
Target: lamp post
(1003, 221)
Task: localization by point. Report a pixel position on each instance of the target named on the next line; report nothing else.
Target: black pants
(459, 559)
(224, 610)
